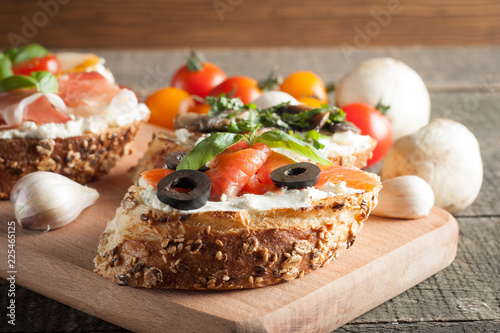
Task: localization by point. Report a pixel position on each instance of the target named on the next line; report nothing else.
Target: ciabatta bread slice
(149, 245)
(346, 149)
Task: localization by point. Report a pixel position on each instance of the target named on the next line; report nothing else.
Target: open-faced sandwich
(233, 213)
(325, 128)
(62, 113)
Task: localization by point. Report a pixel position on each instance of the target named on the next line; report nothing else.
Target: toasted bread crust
(81, 158)
(164, 143)
(144, 247)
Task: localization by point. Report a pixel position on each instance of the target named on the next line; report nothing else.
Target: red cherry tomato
(198, 77)
(373, 123)
(243, 87)
(48, 63)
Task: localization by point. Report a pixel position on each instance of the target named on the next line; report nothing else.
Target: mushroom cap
(446, 155)
(394, 84)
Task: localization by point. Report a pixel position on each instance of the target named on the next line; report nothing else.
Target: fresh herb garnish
(222, 103)
(275, 116)
(216, 143)
(43, 81)
(5, 66)
(25, 53)
(207, 149)
(311, 137)
(279, 139)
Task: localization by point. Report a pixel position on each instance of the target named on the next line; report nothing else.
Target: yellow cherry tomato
(315, 103)
(200, 108)
(305, 84)
(165, 104)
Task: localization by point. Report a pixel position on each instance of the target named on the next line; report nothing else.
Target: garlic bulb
(45, 200)
(406, 197)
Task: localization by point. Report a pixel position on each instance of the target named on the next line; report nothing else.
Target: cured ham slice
(89, 89)
(41, 108)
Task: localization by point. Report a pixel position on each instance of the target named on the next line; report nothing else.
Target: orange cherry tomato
(305, 84)
(243, 87)
(165, 104)
(199, 108)
(315, 103)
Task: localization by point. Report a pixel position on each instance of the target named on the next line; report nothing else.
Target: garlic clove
(405, 197)
(46, 200)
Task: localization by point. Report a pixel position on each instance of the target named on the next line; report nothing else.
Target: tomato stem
(195, 61)
(330, 87)
(273, 79)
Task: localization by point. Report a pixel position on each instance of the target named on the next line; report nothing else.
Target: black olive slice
(184, 189)
(296, 175)
(173, 159)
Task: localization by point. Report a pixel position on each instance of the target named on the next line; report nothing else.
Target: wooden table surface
(464, 84)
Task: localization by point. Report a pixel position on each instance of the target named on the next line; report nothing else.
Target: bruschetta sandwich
(233, 213)
(62, 113)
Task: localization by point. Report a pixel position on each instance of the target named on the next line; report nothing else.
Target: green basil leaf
(207, 149)
(17, 82)
(5, 67)
(25, 53)
(279, 139)
(45, 81)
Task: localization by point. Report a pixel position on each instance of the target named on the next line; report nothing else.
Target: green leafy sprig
(216, 143)
(43, 81)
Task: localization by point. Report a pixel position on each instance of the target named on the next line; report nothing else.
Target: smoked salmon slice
(261, 182)
(354, 178)
(232, 169)
(88, 89)
(153, 177)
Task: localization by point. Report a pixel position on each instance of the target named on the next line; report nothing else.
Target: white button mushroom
(446, 155)
(393, 83)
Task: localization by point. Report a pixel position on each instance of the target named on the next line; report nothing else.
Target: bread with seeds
(238, 243)
(79, 125)
(82, 158)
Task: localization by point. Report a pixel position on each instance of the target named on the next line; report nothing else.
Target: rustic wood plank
(237, 23)
(425, 327)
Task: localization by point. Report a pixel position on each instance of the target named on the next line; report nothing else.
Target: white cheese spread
(251, 202)
(123, 109)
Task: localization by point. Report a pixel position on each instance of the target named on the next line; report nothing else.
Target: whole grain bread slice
(147, 247)
(82, 158)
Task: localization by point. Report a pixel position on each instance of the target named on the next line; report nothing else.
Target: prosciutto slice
(89, 89)
(41, 108)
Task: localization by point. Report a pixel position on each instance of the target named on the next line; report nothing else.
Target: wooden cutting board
(389, 257)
